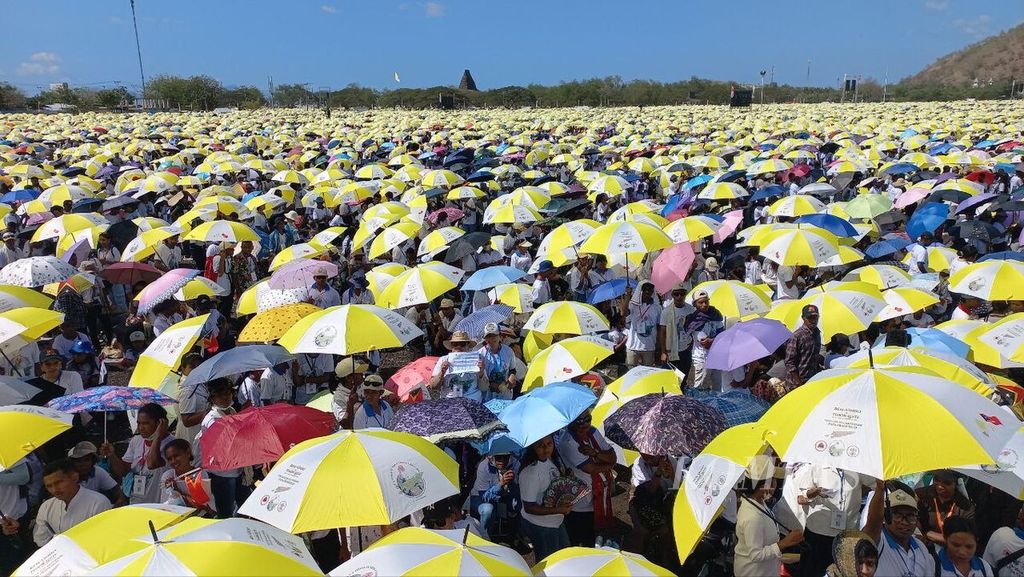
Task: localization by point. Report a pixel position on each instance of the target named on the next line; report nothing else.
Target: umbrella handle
(14, 368)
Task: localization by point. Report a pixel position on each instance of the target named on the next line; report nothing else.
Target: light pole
(138, 49)
(763, 72)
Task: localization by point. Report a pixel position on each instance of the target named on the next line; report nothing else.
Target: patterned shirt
(803, 352)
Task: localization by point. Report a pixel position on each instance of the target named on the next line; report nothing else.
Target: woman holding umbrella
(543, 525)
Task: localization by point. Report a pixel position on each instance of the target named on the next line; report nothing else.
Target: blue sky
(336, 42)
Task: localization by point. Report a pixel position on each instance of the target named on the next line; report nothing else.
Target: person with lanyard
(454, 379)
(892, 516)
(372, 412)
(1005, 549)
(498, 364)
(642, 315)
(674, 343)
(226, 485)
(357, 293)
(828, 500)
(315, 371)
(940, 501)
(322, 294)
(69, 505)
(758, 551)
(591, 459)
(581, 279)
(543, 525)
(144, 457)
(51, 371)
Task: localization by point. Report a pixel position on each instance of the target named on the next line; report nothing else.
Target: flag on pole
(397, 79)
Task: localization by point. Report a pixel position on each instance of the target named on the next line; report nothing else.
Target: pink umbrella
(454, 214)
(672, 266)
(912, 195)
(164, 288)
(301, 273)
(411, 376)
(732, 221)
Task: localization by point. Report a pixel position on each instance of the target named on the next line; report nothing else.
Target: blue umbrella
(481, 176)
(939, 341)
(607, 291)
(1003, 255)
(492, 276)
(886, 247)
(235, 361)
(674, 202)
(497, 443)
(696, 181)
(731, 176)
(738, 406)
(769, 191)
(20, 195)
(831, 223)
(474, 323)
(927, 218)
(497, 405)
(900, 168)
(545, 410)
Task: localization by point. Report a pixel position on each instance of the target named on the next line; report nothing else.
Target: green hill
(996, 58)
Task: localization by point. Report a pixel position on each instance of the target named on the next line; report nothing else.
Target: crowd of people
(107, 209)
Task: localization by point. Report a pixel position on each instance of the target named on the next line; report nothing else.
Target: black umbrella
(841, 181)
(948, 195)
(829, 147)
(121, 233)
(86, 205)
(117, 202)
(465, 245)
(561, 206)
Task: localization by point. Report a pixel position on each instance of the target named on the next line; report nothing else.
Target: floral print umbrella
(664, 424)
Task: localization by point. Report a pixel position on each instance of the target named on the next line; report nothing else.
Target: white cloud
(434, 9)
(980, 26)
(115, 20)
(937, 5)
(328, 9)
(40, 64)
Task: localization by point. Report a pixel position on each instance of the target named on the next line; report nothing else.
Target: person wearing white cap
(892, 519)
(322, 294)
(84, 456)
(373, 412)
(759, 549)
(498, 364)
(10, 252)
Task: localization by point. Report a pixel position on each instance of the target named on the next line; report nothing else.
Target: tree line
(206, 93)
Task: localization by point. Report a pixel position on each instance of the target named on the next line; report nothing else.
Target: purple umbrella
(109, 399)
(664, 424)
(447, 420)
(164, 288)
(974, 201)
(746, 342)
(301, 273)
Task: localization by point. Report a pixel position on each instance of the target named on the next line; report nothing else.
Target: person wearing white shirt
(168, 254)
(315, 370)
(787, 283)
(752, 268)
(828, 500)
(276, 384)
(70, 504)
(543, 525)
(1005, 548)
(144, 457)
(14, 506)
(520, 257)
(9, 251)
(918, 251)
(900, 552)
(84, 456)
(372, 412)
(248, 394)
(357, 293)
(226, 484)
(591, 459)
(322, 294)
(758, 551)
(673, 341)
(642, 315)
(541, 285)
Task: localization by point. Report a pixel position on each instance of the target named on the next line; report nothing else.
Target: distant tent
(467, 82)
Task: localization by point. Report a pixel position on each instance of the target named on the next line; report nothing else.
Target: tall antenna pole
(138, 49)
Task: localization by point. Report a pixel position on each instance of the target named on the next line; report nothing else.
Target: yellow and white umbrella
(943, 365)
(723, 191)
(222, 231)
(937, 259)
(227, 546)
(692, 228)
(508, 213)
(567, 317)
(295, 252)
(560, 245)
(391, 237)
(163, 355)
(625, 238)
(414, 551)
(144, 245)
(796, 205)
(442, 178)
(14, 297)
(901, 301)
(991, 280)
(464, 192)
(1006, 337)
(197, 287)
(352, 479)
(1007, 474)
(26, 428)
(856, 419)
(519, 296)
(382, 275)
(349, 329)
(734, 299)
(420, 284)
(882, 276)
(609, 184)
(769, 166)
(808, 245)
(710, 480)
(566, 359)
(67, 224)
(438, 240)
(845, 308)
(590, 562)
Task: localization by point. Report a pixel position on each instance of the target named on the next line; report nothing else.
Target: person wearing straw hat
(453, 372)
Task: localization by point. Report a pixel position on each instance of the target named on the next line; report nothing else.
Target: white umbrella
(36, 271)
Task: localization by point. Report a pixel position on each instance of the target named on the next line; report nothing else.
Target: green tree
(11, 96)
(112, 98)
(288, 95)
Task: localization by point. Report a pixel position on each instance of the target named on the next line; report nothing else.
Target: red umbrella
(130, 273)
(411, 376)
(260, 435)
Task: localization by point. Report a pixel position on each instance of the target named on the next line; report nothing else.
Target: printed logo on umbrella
(325, 336)
(408, 479)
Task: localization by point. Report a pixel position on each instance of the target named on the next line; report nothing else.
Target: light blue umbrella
(492, 276)
(236, 361)
(545, 410)
(939, 341)
(474, 323)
